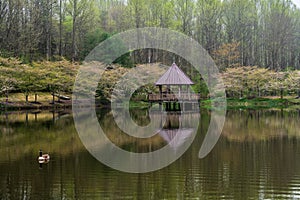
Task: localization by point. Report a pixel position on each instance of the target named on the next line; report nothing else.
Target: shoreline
(34, 106)
(231, 104)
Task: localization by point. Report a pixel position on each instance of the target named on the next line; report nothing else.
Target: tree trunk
(60, 28)
(6, 95)
(48, 34)
(74, 51)
(53, 98)
(50, 30)
(26, 97)
(35, 97)
(281, 93)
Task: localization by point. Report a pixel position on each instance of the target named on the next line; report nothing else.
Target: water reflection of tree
(142, 117)
(253, 125)
(27, 137)
(237, 168)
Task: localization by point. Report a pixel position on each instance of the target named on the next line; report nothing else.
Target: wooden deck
(173, 98)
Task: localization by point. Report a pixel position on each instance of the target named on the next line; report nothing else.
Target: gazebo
(174, 86)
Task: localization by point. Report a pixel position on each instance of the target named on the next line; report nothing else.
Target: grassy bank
(17, 101)
(255, 103)
(266, 102)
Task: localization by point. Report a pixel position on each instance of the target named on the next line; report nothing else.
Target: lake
(256, 157)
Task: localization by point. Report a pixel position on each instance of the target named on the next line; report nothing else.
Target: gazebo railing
(173, 97)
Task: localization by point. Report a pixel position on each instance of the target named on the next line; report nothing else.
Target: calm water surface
(257, 157)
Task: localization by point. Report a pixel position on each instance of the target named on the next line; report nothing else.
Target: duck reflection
(42, 163)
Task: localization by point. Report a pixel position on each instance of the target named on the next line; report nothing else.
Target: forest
(267, 31)
(263, 34)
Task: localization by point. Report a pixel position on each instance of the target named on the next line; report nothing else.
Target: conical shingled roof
(174, 76)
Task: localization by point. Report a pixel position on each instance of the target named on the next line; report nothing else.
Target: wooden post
(160, 91)
(180, 91)
(149, 56)
(188, 90)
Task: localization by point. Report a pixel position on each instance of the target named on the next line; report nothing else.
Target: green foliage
(39, 76)
(234, 32)
(58, 78)
(200, 87)
(108, 80)
(127, 79)
(125, 61)
(92, 39)
(253, 81)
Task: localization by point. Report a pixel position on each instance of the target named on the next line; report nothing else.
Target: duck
(43, 158)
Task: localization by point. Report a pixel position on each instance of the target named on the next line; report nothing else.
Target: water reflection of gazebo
(175, 138)
(174, 87)
(178, 128)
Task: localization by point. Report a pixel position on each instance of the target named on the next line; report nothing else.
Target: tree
(240, 21)
(293, 81)
(208, 26)
(32, 81)
(92, 39)
(227, 55)
(279, 36)
(184, 15)
(7, 84)
(257, 78)
(83, 18)
(277, 82)
(233, 81)
(42, 29)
